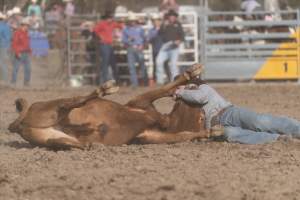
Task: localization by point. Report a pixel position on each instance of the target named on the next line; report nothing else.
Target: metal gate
(261, 48)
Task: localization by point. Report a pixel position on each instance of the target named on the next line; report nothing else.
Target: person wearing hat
(154, 38)
(21, 52)
(133, 38)
(240, 125)
(14, 18)
(34, 8)
(104, 31)
(172, 35)
(5, 39)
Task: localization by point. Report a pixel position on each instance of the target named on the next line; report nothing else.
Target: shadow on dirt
(19, 145)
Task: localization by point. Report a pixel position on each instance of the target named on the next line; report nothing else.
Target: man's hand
(176, 94)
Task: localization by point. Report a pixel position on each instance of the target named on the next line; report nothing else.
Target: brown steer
(79, 121)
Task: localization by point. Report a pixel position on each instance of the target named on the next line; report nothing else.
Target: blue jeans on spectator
(167, 52)
(4, 57)
(23, 59)
(248, 127)
(107, 59)
(135, 55)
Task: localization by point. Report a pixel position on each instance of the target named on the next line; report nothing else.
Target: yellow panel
(283, 62)
(278, 69)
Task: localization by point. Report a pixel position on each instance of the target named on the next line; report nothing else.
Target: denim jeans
(247, 127)
(4, 57)
(107, 59)
(23, 59)
(167, 52)
(134, 55)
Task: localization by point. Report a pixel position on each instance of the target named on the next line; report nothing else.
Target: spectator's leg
(160, 61)
(16, 66)
(105, 55)
(27, 68)
(113, 65)
(131, 59)
(3, 64)
(173, 63)
(143, 68)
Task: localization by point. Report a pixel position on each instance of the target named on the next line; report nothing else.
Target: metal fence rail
(235, 48)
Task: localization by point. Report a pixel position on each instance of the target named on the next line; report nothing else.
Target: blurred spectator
(53, 18)
(21, 52)
(105, 32)
(167, 5)
(155, 39)
(92, 42)
(5, 38)
(134, 40)
(69, 8)
(172, 35)
(34, 8)
(15, 18)
(249, 6)
(44, 4)
(35, 21)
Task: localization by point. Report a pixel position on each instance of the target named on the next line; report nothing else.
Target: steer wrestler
(240, 124)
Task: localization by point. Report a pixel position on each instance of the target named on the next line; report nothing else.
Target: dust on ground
(191, 170)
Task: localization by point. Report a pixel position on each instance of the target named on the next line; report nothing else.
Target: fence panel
(260, 48)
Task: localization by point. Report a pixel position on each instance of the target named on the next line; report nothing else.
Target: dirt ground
(191, 170)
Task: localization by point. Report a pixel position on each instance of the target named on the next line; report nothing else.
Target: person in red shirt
(21, 52)
(105, 32)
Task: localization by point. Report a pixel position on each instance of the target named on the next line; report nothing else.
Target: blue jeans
(167, 52)
(134, 55)
(23, 59)
(247, 127)
(107, 59)
(4, 57)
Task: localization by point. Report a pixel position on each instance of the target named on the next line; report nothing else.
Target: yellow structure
(284, 62)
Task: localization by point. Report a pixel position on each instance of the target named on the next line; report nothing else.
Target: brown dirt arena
(191, 170)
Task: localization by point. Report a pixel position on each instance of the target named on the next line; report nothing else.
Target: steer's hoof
(194, 71)
(108, 84)
(110, 87)
(111, 90)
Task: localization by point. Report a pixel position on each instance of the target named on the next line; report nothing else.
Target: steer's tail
(22, 107)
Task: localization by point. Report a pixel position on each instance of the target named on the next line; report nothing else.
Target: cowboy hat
(16, 10)
(2, 16)
(25, 21)
(132, 16)
(172, 13)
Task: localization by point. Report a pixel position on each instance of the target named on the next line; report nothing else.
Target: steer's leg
(145, 100)
(63, 143)
(107, 88)
(158, 137)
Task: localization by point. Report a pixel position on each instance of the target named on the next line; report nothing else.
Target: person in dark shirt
(172, 35)
(155, 39)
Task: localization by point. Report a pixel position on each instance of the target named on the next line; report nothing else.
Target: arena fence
(263, 48)
(84, 62)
